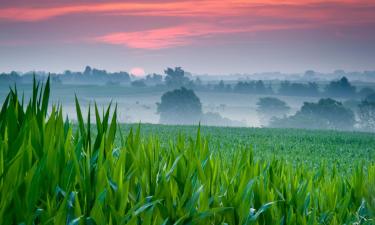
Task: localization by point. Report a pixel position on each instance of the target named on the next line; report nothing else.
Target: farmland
(308, 147)
(96, 171)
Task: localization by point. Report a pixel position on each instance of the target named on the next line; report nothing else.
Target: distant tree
(119, 77)
(252, 87)
(11, 77)
(220, 86)
(299, 89)
(198, 82)
(270, 107)
(176, 77)
(87, 71)
(215, 119)
(312, 89)
(326, 114)
(260, 88)
(351, 104)
(309, 75)
(56, 79)
(366, 114)
(154, 79)
(370, 98)
(332, 112)
(366, 91)
(67, 73)
(340, 88)
(228, 87)
(98, 73)
(180, 106)
(138, 83)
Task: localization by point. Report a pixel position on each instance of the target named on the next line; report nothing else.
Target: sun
(137, 71)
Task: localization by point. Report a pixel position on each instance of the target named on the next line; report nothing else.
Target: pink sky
(142, 29)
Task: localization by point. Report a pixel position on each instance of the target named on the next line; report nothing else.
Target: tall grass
(51, 173)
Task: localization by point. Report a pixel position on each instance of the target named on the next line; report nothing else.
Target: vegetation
(312, 148)
(180, 106)
(52, 172)
(176, 77)
(364, 92)
(183, 106)
(366, 113)
(340, 87)
(299, 89)
(138, 84)
(325, 114)
(252, 87)
(302, 85)
(269, 107)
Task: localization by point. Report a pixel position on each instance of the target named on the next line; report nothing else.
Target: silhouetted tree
(366, 91)
(326, 114)
(309, 74)
(270, 107)
(95, 76)
(252, 87)
(87, 71)
(220, 86)
(180, 106)
(215, 119)
(11, 77)
(154, 79)
(366, 113)
(370, 98)
(299, 89)
(138, 83)
(176, 77)
(340, 88)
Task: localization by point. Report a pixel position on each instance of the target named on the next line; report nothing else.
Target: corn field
(53, 171)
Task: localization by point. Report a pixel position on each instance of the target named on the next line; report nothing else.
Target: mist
(310, 100)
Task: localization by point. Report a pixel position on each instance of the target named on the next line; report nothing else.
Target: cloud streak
(313, 9)
(178, 36)
(204, 19)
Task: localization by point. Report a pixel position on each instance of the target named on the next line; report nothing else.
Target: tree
(370, 98)
(138, 83)
(366, 91)
(180, 106)
(325, 114)
(87, 71)
(215, 119)
(270, 107)
(176, 77)
(340, 88)
(154, 79)
(299, 89)
(366, 113)
(252, 87)
(220, 86)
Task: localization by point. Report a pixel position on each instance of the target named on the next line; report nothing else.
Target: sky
(205, 36)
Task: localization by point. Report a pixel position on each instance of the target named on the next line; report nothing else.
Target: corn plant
(54, 173)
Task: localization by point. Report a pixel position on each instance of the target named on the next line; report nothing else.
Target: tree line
(183, 106)
(177, 77)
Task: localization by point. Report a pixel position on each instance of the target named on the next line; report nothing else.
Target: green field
(100, 172)
(308, 147)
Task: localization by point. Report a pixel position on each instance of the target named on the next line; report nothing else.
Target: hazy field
(139, 104)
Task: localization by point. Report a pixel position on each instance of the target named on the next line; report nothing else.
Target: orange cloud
(179, 35)
(202, 8)
(206, 18)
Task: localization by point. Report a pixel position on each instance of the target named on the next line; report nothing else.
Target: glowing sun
(137, 71)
